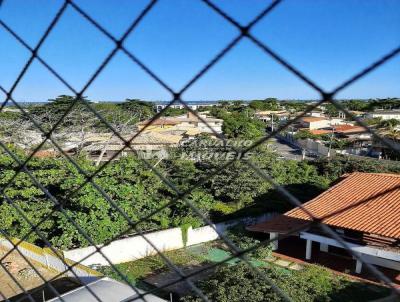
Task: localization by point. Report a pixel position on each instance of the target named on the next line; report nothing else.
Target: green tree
(356, 105)
(238, 125)
(131, 187)
(267, 104)
(224, 104)
(331, 110)
(339, 165)
(237, 184)
(174, 111)
(140, 109)
(23, 195)
(294, 106)
(304, 134)
(390, 123)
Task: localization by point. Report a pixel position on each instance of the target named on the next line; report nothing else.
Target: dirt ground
(23, 274)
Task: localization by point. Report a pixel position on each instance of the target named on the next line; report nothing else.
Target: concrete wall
(47, 258)
(317, 124)
(394, 115)
(307, 144)
(136, 247)
(315, 147)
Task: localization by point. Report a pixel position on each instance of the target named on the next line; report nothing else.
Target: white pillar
(358, 266)
(274, 244)
(323, 247)
(308, 249)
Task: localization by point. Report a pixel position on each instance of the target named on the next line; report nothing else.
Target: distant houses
(350, 133)
(146, 145)
(268, 115)
(192, 105)
(152, 139)
(189, 121)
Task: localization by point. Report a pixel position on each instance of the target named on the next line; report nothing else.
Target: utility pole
(272, 122)
(330, 143)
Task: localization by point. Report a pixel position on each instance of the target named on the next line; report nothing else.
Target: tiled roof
(310, 119)
(366, 202)
(46, 153)
(348, 128)
(180, 119)
(320, 131)
(160, 121)
(144, 139)
(281, 224)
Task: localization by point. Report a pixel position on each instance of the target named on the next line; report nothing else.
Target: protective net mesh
(181, 196)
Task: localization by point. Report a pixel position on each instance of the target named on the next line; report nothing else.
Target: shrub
(245, 240)
(239, 283)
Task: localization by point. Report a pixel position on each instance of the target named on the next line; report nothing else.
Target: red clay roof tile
(366, 202)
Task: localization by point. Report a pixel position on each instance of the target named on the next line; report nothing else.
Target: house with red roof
(363, 209)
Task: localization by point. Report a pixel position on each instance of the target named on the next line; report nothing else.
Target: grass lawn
(137, 270)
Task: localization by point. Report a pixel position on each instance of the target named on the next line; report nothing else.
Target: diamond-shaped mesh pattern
(244, 32)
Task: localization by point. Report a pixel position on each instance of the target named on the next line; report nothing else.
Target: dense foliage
(334, 168)
(364, 105)
(239, 283)
(267, 104)
(238, 121)
(138, 192)
(174, 111)
(245, 240)
(135, 189)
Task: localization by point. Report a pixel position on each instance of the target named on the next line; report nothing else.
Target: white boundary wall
(136, 247)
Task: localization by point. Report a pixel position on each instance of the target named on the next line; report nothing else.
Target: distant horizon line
(209, 101)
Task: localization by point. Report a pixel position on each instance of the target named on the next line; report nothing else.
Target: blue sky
(328, 40)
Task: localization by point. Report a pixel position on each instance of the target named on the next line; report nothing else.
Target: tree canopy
(238, 122)
(267, 104)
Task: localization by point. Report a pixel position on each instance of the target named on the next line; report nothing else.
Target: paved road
(286, 150)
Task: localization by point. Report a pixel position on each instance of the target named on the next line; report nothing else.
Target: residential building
(159, 123)
(317, 113)
(276, 115)
(321, 131)
(385, 114)
(363, 209)
(147, 144)
(188, 121)
(352, 132)
(357, 139)
(314, 122)
(338, 121)
(192, 105)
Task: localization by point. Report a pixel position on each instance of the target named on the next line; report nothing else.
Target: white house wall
(369, 254)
